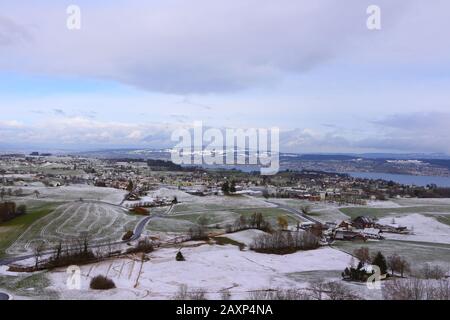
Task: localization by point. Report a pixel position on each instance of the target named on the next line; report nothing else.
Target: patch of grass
(445, 219)
(354, 212)
(221, 241)
(11, 230)
(270, 214)
(417, 253)
(34, 285)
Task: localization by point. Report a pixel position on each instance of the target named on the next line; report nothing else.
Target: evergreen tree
(179, 256)
(233, 187)
(130, 186)
(226, 188)
(380, 261)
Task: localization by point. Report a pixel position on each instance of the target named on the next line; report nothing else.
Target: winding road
(4, 296)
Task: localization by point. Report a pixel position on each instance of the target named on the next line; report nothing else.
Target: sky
(137, 70)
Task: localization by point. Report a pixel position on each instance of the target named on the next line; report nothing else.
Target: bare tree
(38, 250)
(416, 289)
(362, 254)
(225, 295)
(397, 264)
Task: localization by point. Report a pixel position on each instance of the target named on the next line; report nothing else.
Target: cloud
(12, 33)
(59, 112)
(410, 132)
(396, 133)
(175, 47)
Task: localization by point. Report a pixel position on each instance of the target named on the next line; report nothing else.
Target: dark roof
(363, 219)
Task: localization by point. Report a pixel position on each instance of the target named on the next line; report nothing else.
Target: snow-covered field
(246, 237)
(74, 192)
(209, 267)
(425, 229)
(103, 222)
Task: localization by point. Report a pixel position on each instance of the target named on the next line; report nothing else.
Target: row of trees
(10, 192)
(281, 242)
(81, 250)
(9, 211)
(255, 221)
(394, 263)
(318, 290)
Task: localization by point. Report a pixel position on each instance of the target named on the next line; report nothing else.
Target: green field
(417, 253)
(354, 212)
(100, 221)
(270, 214)
(445, 219)
(182, 222)
(11, 230)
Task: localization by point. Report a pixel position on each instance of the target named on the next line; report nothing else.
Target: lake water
(404, 178)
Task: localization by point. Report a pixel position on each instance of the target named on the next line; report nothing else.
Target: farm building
(348, 235)
(372, 233)
(363, 222)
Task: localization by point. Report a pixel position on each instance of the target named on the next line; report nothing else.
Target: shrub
(431, 272)
(184, 294)
(179, 256)
(143, 246)
(102, 283)
(128, 235)
(140, 211)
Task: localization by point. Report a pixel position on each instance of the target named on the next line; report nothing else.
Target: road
(4, 296)
(289, 209)
(137, 234)
(296, 212)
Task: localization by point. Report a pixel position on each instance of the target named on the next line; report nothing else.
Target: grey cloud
(175, 47)
(11, 32)
(418, 121)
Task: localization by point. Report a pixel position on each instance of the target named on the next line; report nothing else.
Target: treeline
(78, 251)
(285, 242)
(9, 211)
(255, 221)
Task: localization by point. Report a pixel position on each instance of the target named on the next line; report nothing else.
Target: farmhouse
(372, 233)
(363, 222)
(348, 235)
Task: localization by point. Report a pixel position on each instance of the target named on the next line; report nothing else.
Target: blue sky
(132, 74)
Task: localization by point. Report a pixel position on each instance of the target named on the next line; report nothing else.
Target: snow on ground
(75, 192)
(425, 229)
(423, 201)
(246, 237)
(210, 267)
(383, 204)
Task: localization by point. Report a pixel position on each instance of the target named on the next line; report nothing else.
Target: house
(347, 225)
(132, 197)
(348, 235)
(363, 222)
(372, 233)
(393, 228)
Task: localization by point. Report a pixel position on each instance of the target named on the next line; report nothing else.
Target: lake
(404, 178)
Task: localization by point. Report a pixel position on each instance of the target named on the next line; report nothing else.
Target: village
(111, 213)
